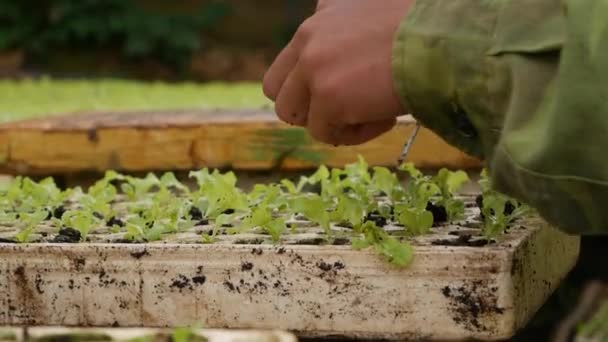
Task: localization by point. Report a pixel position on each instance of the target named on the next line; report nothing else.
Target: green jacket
(522, 84)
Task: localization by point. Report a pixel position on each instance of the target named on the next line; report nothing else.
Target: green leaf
(360, 244)
(262, 217)
(417, 221)
(137, 188)
(169, 181)
(320, 175)
(350, 210)
(314, 208)
(455, 209)
(450, 182)
(29, 223)
(182, 334)
(384, 180)
(82, 220)
(290, 186)
(411, 169)
(398, 253)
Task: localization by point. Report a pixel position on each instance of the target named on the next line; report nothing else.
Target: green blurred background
(146, 39)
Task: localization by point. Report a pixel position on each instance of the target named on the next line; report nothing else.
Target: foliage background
(146, 38)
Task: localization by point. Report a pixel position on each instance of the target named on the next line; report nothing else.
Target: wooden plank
(182, 140)
(449, 292)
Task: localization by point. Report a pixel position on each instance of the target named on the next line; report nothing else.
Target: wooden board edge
(240, 146)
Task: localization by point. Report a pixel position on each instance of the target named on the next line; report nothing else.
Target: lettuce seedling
(314, 208)
(82, 220)
(267, 196)
(25, 195)
(398, 253)
(262, 217)
(412, 212)
(496, 218)
(30, 222)
(449, 184)
(135, 228)
(349, 209)
(292, 188)
(169, 186)
(137, 188)
(386, 182)
(218, 193)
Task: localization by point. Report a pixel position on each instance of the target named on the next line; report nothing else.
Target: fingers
(279, 70)
(292, 103)
(362, 133)
(322, 126)
(319, 123)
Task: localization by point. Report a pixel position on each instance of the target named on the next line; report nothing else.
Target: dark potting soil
(56, 213)
(376, 218)
(195, 213)
(115, 221)
(67, 235)
(440, 214)
(465, 240)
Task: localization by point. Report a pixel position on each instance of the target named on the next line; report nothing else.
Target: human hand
(335, 76)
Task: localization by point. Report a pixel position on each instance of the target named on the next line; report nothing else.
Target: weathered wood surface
(448, 293)
(188, 139)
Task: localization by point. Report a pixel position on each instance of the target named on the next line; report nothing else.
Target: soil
(440, 214)
(195, 213)
(464, 240)
(56, 213)
(341, 242)
(67, 235)
(246, 266)
(470, 302)
(115, 221)
(376, 218)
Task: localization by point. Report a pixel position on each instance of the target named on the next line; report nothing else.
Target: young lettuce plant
(30, 222)
(25, 195)
(169, 186)
(449, 184)
(315, 209)
(137, 188)
(82, 220)
(268, 196)
(498, 210)
(262, 217)
(413, 213)
(397, 253)
(385, 182)
(218, 193)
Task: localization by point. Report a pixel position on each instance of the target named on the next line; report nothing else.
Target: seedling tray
(191, 139)
(459, 287)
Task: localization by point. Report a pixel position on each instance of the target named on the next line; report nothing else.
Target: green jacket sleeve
(522, 84)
